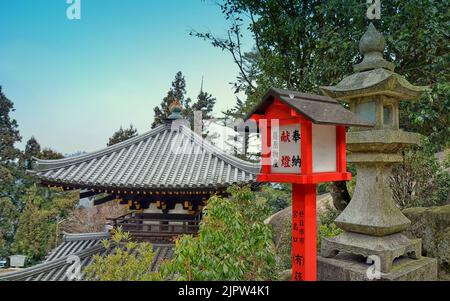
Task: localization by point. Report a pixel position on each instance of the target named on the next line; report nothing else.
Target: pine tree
(49, 154)
(9, 134)
(176, 92)
(32, 149)
(122, 135)
(205, 103)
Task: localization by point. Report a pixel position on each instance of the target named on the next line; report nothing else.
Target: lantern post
(303, 146)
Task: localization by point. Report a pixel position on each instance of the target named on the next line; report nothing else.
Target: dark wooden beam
(105, 199)
(87, 194)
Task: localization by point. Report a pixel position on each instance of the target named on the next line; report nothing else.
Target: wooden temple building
(164, 176)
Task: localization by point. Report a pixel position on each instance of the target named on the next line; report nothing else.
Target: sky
(75, 82)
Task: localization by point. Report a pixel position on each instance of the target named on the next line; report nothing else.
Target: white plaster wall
(324, 148)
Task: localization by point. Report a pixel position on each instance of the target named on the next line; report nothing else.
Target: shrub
(126, 260)
(233, 242)
(278, 196)
(420, 180)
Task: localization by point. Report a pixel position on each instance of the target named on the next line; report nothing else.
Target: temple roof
(319, 109)
(85, 246)
(170, 156)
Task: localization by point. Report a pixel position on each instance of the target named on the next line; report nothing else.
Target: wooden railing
(153, 227)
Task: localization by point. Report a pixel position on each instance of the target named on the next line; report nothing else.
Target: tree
(9, 134)
(92, 219)
(36, 231)
(303, 45)
(49, 154)
(224, 248)
(122, 135)
(420, 180)
(126, 261)
(176, 92)
(28, 214)
(205, 103)
(8, 223)
(32, 149)
(306, 44)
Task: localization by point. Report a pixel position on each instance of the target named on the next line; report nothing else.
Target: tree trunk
(340, 195)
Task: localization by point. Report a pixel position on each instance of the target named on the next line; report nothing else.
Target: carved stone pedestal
(386, 248)
(346, 267)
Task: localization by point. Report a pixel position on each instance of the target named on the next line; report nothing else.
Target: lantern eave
(317, 109)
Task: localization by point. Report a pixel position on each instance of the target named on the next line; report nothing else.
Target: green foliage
(283, 245)
(326, 231)
(420, 180)
(9, 134)
(176, 92)
(328, 216)
(49, 154)
(278, 196)
(36, 231)
(122, 135)
(28, 214)
(205, 102)
(303, 45)
(32, 149)
(126, 260)
(327, 226)
(8, 223)
(233, 242)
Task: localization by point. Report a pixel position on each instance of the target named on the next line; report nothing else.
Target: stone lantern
(372, 222)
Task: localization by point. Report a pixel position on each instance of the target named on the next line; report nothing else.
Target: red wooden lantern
(303, 143)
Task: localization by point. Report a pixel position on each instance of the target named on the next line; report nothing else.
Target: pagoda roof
(171, 156)
(374, 82)
(319, 109)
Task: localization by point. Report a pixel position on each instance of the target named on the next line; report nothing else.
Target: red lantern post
(304, 146)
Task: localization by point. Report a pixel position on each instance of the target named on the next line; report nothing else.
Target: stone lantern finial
(371, 47)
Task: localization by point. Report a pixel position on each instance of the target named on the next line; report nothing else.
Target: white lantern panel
(285, 149)
(324, 148)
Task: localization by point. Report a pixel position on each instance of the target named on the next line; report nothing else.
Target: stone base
(387, 248)
(346, 267)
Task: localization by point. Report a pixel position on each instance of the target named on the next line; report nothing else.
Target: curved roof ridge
(85, 236)
(51, 164)
(249, 166)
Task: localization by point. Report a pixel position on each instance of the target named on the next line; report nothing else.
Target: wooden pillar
(304, 248)
(341, 155)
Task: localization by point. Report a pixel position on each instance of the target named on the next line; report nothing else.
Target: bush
(420, 180)
(233, 242)
(278, 196)
(36, 232)
(326, 231)
(126, 260)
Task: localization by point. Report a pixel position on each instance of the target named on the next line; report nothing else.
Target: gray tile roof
(319, 109)
(170, 156)
(85, 246)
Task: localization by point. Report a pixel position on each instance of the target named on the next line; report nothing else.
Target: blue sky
(74, 82)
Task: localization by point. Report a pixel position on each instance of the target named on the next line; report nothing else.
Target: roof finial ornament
(175, 109)
(371, 47)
